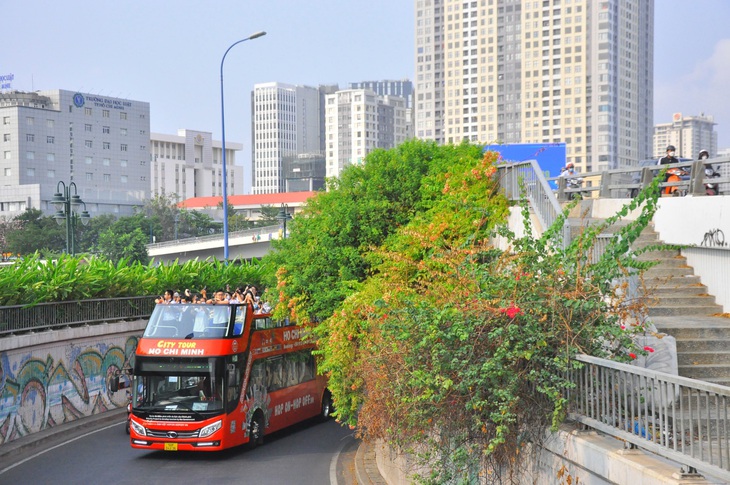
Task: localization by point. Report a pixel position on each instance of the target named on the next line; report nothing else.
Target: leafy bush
(459, 351)
(33, 280)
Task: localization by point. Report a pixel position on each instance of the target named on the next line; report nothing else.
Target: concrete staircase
(680, 306)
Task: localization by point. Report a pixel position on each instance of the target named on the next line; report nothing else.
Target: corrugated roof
(251, 200)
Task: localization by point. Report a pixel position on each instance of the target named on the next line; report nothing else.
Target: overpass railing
(47, 316)
(259, 231)
(628, 181)
(527, 178)
(682, 419)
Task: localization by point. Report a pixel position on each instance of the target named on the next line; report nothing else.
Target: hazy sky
(168, 53)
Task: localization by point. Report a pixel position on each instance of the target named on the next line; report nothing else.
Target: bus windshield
(189, 385)
(188, 321)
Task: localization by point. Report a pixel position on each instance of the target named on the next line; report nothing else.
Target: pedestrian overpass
(248, 244)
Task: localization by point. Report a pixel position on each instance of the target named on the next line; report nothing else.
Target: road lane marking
(36, 455)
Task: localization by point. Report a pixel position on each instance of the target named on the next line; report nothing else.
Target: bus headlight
(138, 428)
(210, 429)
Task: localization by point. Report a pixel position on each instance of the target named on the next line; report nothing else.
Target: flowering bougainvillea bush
(457, 351)
(456, 344)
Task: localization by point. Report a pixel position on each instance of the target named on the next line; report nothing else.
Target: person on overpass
(669, 158)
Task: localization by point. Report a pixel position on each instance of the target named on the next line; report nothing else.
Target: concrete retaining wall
(54, 377)
(568, 456)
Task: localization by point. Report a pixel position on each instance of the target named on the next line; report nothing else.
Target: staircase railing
(681, 419)
(527, 178)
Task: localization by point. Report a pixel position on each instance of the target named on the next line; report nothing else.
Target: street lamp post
(177, 221)
(67, 206)
(283, 216)
(223, 130)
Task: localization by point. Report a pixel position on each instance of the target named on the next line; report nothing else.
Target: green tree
(36, 233)
(326, 255)
(117, 243)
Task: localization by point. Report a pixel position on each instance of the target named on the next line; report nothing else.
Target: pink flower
(648, 349)
(623, 327)
(632, 355)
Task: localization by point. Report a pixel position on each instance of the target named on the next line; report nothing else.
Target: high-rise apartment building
(689, 134)
(357, 122)
(402, 89)
(98, 143)
(539, 71)
(285, 122)
(190, 164)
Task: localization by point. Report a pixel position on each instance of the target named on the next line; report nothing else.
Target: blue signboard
(550, 156)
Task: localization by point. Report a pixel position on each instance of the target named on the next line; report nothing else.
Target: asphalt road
(307, 453)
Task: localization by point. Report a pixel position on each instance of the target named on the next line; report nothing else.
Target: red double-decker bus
(209, 377)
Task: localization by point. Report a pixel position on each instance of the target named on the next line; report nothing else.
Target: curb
(46, 438)
(366, 468)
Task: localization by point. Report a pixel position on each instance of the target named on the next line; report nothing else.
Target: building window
(143, 147)
(89, 160)
(105, 162)
(6, 155)
(123, 131)
(29, 137)
(123, 147)
(89, 176)
(106, 145)
(87, 127)
(87, 111)
(123, 179)
(8, 172)
(51, 157)
(88, 144)
(143, 178)
(51, 139)
(105, 129)
(50, 123)
(107, 177)
(122, 115)
(6, 137)
(30, 155)
(30, 172)
(123, 163)
(30, 120)
(105, 113)
(51, 174)
(142, 162)
(6, 120)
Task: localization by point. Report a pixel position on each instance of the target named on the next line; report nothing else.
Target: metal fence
(626, 182)
(46, 316)
(681, 419)
(258, 231)
(526, 178)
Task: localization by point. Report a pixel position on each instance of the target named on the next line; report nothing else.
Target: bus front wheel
(256, 431)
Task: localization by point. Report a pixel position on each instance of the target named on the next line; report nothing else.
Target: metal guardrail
(528, 176)
(47, 316)
(681, 419)
(627, 182)
(259, 231)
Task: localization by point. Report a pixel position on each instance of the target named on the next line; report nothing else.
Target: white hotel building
(286, 123)
(357, 122)
(99, 143)
(190, 164)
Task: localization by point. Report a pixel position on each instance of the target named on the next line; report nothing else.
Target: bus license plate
(170, 446)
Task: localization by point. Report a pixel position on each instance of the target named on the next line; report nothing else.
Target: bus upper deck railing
(48, 316)
(682, 419)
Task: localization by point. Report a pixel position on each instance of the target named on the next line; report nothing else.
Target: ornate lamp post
(67, 206)
(283, 216)
(223, 129)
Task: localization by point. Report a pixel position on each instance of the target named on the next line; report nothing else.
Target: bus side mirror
(114, 384)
